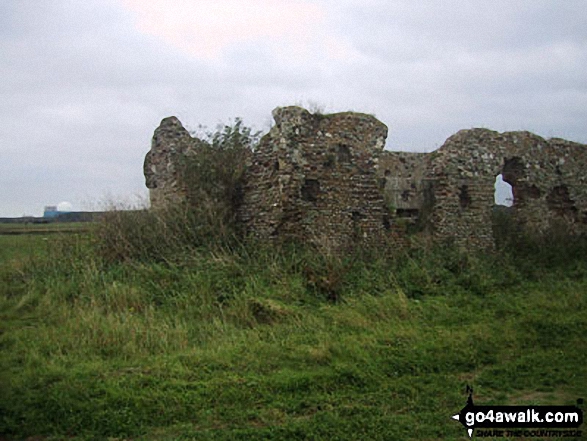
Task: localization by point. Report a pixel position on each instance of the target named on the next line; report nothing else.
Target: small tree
(214, 179)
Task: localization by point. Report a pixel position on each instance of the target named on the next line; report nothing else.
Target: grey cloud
(82, 90)
(451, 64)
(473, 25)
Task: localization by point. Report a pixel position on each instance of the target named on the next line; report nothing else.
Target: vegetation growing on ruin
(214, 177)
(156, 326)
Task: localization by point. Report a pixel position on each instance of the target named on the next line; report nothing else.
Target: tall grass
(130, 336)
(213, 177)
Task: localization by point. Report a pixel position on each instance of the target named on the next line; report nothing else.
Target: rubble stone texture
(548, 179)
(325, 179)
(162, 168)
(313, 178)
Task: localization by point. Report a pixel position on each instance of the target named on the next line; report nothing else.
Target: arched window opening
(503, 192)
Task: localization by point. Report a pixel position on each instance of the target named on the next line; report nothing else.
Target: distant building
(51, 211)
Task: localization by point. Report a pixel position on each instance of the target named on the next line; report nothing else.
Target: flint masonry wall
(325, 179)
(313, 178)
(548, 181)
(162, 168)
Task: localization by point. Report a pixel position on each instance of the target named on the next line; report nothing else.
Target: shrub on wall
(213, 177)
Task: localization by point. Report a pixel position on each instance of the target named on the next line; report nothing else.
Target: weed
(140, 330)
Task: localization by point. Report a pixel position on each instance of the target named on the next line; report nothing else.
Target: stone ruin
(171, 142)
(327, 180)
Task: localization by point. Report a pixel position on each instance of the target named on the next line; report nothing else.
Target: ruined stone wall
(401, 175)
(313, 178)
(547, 179)
(325, 179)
(162, 168)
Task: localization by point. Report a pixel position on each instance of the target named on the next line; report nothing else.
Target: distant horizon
(503, 196)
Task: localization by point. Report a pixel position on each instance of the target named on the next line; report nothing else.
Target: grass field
(247, 345)
(43, 229)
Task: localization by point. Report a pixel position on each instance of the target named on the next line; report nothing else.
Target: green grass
(247, 344)
(48, 228)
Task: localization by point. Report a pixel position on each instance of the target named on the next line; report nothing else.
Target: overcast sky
(83, 84)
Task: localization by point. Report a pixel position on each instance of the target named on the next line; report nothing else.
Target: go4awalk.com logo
(520, 421)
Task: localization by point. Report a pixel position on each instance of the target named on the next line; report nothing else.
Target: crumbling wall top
(364, 130)
(313, 178)
(170, 145)
(317, 176)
